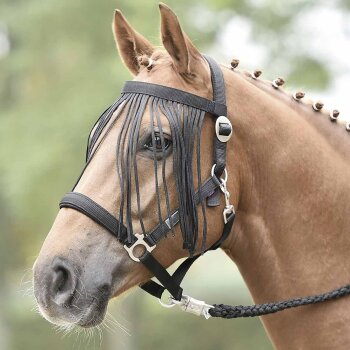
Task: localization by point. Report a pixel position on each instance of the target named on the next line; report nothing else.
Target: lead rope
(200, 308)
(227, 311)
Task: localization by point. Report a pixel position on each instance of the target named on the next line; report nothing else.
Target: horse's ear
(184, 54)
(130, 43)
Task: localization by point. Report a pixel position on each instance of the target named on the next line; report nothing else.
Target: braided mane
(326, 122)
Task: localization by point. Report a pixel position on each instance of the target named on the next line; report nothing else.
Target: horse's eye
(156, 144)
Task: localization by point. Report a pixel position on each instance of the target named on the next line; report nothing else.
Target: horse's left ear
(183, 53)
(131, 44)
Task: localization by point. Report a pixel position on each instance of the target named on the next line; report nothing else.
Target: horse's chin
(94, 315)
(77, 314)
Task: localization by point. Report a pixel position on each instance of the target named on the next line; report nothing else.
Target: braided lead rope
(226, 311)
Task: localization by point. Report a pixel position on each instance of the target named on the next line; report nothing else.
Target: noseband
(210, 190)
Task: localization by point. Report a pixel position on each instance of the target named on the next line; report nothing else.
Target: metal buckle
(222, 120)
(191, 305)
(140, 241)
(171, 219)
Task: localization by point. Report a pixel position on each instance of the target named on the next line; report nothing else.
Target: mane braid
(325, 123)
(316, 106)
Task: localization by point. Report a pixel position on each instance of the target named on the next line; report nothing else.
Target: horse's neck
(291, 236)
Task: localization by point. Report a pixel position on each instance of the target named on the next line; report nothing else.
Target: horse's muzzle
(62, 299)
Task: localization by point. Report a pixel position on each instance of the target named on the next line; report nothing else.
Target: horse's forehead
(145, 125)
(164, 73)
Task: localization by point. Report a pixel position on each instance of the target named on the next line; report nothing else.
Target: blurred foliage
(61, 72)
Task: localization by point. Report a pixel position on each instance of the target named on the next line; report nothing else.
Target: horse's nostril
(63, 284)
(60, 280)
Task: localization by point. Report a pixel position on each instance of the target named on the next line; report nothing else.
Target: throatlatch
(185, 113)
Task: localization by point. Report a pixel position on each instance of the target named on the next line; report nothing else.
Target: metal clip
(229, 208)
(191, 305)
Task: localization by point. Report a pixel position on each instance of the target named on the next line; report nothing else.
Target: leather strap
(164, 227)
(162, 275)
(94, 211)
(219, 96)
(175, 95)
(218, 83)
(157, 290)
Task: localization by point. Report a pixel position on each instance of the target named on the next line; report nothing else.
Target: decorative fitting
(317, 106)
(334, 115)
(223, 129)
(278, 82)
(146, 61)
(234, 63)
(139, 242)
(347, 126)
(256, 74)
(298, 95)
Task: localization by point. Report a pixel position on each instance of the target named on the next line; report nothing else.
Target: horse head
(146, 157)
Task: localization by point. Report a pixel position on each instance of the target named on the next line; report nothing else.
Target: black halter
(210, 188)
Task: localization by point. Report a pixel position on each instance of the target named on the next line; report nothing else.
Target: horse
(285, 179)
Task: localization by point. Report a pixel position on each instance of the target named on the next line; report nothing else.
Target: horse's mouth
(94, 314)
(85, 313)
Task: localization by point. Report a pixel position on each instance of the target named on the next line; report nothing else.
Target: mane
(334, 131)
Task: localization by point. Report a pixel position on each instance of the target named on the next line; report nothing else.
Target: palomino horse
(288, 168)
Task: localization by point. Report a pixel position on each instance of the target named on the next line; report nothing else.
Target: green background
(59, 72)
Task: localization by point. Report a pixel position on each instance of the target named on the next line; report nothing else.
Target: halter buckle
(140, 241)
